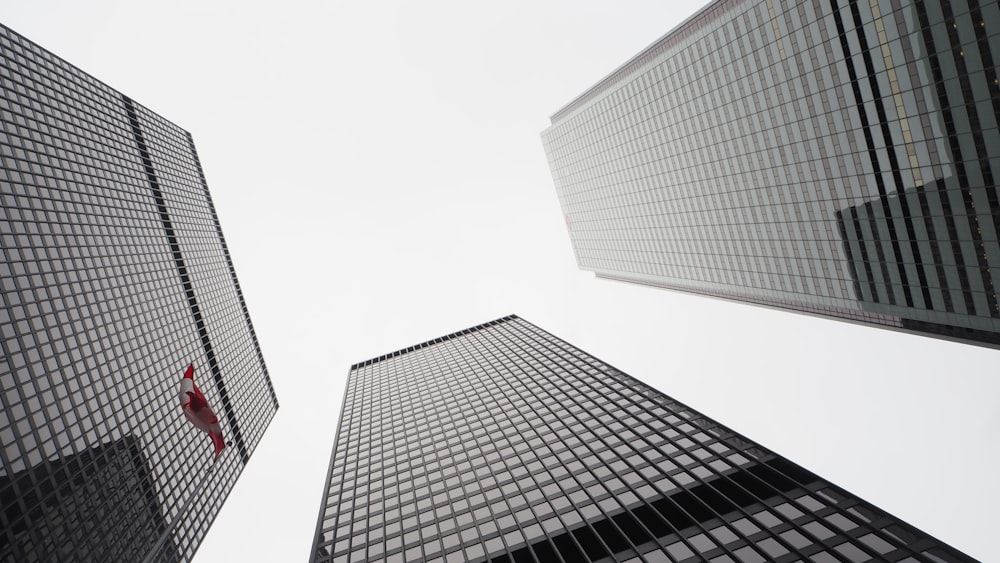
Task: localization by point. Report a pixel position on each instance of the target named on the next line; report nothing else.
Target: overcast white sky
(379, 177)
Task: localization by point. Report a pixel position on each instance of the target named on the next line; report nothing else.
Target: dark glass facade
(115, 276)
(504, 443)
(837, 158)
(97, 505)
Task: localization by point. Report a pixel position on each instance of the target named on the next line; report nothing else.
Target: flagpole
(166, 533)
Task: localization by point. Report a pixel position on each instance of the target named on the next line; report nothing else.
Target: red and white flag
(196, 410)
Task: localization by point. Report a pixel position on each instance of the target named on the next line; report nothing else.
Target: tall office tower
(837, 158)
(503, 443)
(115, 276)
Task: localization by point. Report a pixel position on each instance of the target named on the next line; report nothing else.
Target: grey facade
(504, 443)
(837, 158)
(115, 276)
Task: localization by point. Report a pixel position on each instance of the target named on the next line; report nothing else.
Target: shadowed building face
(98, 505)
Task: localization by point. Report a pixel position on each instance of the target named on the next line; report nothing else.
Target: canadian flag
(196, 410)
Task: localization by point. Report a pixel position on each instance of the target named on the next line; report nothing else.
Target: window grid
(96, 328)
(504, 443)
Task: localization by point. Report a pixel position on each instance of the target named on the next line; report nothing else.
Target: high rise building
(114, 276)
(834, 158)
(504, 443)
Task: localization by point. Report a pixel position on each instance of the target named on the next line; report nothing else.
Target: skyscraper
(502, 442)
(833, 158)
(115, 276)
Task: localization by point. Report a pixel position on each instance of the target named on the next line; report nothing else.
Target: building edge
(329, 472)
(704, 15)
(925, 329)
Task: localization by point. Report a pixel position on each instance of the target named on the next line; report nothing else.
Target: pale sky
(380, 180)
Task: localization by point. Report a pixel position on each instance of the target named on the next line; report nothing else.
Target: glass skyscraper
(837, 158)
(503, 443)
(115, 276)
